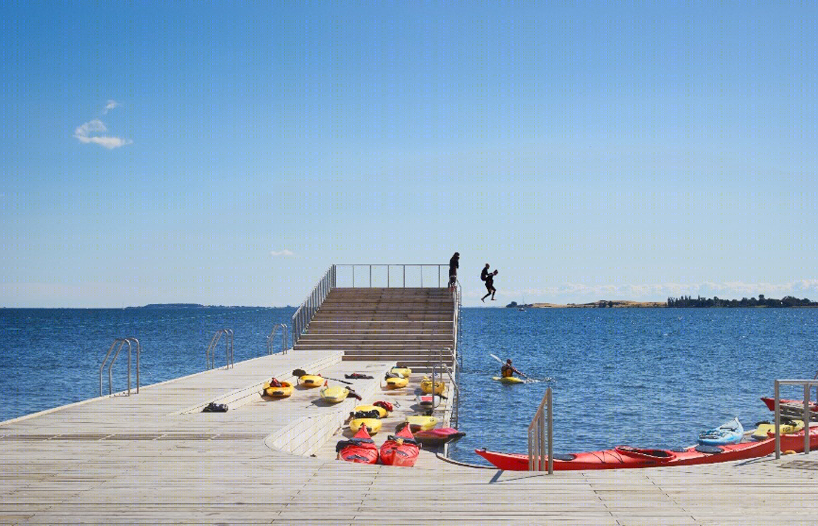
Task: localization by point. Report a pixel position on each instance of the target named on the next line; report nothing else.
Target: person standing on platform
(454, 264)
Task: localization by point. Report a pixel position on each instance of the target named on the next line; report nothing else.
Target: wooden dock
(154, 458)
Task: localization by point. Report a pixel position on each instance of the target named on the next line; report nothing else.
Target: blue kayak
(729, 433)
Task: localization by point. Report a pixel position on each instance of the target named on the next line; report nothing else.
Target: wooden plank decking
(153, 458)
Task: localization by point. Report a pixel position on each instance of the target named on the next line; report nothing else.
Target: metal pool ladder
(132, 342)
(284, 337)
(228, 348)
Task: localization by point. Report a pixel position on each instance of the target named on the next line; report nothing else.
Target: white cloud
(85, 134)
(281, 253)
(111, 105)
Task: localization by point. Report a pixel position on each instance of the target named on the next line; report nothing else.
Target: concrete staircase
(406, 325)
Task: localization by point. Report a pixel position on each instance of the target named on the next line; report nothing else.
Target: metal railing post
(807, 389)
(539, 442)
(807, 386)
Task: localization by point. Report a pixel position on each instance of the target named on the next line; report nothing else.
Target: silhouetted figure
(508, 370)
(454, 264)
(489, 286)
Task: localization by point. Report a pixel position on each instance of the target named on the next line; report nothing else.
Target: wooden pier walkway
(154, 458)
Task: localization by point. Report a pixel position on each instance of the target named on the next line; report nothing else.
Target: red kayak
(770, 402)
(438, 436)
(622, 457)
(360, 448)
(400, 449)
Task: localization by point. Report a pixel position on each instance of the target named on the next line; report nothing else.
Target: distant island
(685, 302)
(170, 306)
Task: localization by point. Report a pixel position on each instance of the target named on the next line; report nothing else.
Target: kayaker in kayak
(508, 370)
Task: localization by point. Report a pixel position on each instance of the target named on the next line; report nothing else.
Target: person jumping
(489, 286)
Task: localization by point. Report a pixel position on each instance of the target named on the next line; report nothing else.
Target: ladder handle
(101, 367)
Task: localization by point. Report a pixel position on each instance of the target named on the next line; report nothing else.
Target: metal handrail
(453, 380)
(304, 313)
(540, 444)
(121, 341)
(389, 266)
(284, 338)
(808, 385)
(210, 353)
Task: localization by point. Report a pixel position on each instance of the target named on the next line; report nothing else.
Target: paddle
(520, 373)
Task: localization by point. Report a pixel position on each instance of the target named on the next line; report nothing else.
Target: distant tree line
(786, 301)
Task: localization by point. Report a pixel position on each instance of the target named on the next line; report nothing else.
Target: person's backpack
(484, 275)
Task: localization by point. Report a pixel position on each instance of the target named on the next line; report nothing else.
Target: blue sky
(229, 153)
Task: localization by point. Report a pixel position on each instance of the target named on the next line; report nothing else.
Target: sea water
(641, 377)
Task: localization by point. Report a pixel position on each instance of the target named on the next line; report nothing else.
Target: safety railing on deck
(210, 353)
(305, 312)
(284, 338)
(540, 437)
(131, 342)
(387, 275)
(377, 275)
(807, 385)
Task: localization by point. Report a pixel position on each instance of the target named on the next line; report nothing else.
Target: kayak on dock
(426, 386)
(334, 394)
(770, 403)
(382, 412)
(276, 389)
(429, 401)
(421, 422)
(765, 429)
(728, 433)
(438, 436)
(365, 419)
(311, 380)
(623, 457)
(400, 449)
(396, 382)
(359, 449)
(404, 372)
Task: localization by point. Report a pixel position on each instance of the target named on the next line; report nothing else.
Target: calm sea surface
(644, 377)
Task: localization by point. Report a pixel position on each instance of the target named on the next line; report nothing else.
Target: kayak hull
(311, 380)
(765, 431)
(283, 391)
(429, 401)
(402, 371)
(421, 422)
(438, 436)
(334, 394)
(770, 403)
(396, 383)
(366, 408)
(508, 380)
(426, 386)
(623, 457)
(400, 449)
(360, 449)
(373, 425)
(728, 433)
